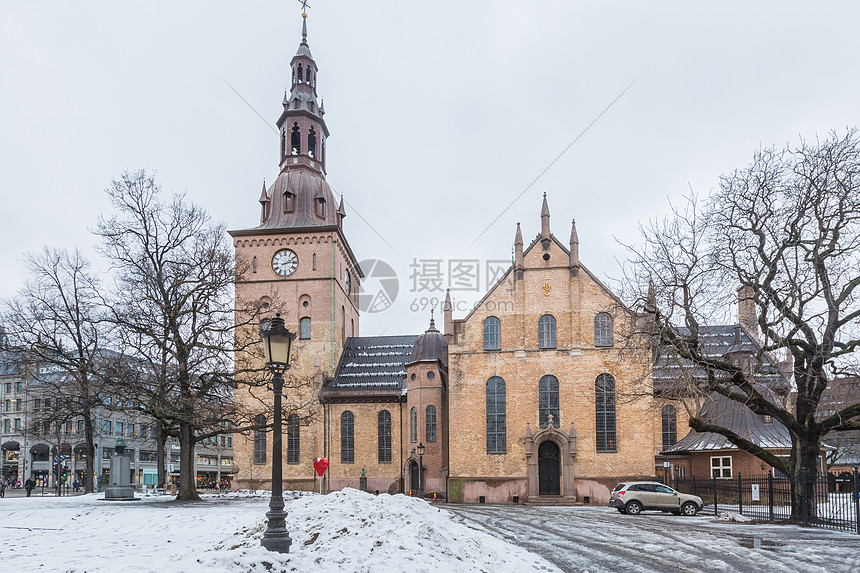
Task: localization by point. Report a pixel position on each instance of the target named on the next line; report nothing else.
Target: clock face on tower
(346, 282)
(285, 262)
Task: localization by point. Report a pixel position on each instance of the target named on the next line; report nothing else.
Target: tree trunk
(89, 472)
(161, 463)
(187, 481)
(805, 471)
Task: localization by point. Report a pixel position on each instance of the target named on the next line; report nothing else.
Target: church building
(533, 396)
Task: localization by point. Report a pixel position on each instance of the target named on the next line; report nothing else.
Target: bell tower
(298, 260)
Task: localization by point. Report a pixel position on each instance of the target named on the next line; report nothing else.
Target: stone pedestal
(120, 483)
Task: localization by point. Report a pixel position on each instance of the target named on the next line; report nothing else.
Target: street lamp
(421, 470)
(277, 343)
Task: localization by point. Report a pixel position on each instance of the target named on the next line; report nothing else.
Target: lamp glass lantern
(277, 342)
(421, 449)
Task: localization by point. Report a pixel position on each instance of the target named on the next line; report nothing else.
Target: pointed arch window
(293, 442)
(496, 416)
(546, 331)
(299, 74)
(312, 141)
(604, 407)
(289, 202)
(384, 436)
(296, 139)
(347, 438)
(670, 426)
(283, 143)
(548, 401)
(492, 333)
(413, 425)
(603, 329)
(430, 422)
(254, 264)
(260, 441)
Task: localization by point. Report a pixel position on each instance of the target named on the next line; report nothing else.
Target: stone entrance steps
(551, 500)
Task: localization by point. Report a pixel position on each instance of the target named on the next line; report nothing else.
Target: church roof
(741, 420)
(716, 341)
(307, 188)
(430, 346)
(371, 367)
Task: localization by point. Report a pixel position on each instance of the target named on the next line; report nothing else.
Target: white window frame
(721, 467)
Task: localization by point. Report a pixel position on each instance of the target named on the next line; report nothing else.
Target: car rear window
(619, 487)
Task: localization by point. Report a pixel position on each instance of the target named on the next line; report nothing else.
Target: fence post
(740, 495)
(770, 496)
(803, 497)
(856, 500)
(715, 494)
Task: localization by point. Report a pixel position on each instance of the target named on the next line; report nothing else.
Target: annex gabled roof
(371, 367)
(744, 422)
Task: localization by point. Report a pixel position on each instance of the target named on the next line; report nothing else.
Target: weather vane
(305, 7)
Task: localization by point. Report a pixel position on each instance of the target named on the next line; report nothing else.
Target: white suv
(633, 497)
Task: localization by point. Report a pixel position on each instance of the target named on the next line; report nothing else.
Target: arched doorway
(549, 468)
(413, 477)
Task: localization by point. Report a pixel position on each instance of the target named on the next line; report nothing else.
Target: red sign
(320, 465)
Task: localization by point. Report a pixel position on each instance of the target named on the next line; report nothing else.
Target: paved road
(595, 539)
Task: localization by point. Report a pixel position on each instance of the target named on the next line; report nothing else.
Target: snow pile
(733, 517)
(354, 531)
(347, 531)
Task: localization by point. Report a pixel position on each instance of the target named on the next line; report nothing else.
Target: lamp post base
(277, 538)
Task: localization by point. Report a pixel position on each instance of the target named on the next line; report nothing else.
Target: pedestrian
(2, 488)
(30, 485)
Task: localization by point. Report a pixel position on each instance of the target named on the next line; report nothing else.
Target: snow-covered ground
(341, 532)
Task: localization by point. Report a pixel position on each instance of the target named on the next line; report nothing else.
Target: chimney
(747, 311)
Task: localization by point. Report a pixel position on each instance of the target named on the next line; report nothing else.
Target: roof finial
(432, 321)
(305, 7)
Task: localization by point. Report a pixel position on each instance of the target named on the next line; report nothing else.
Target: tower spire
(574, 250)
(544, 224)
(518, 254)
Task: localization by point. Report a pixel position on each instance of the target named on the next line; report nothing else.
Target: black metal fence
(829, 501)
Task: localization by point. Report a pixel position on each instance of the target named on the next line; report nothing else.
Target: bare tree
(56, 324)
(787, 229)
(174, 311)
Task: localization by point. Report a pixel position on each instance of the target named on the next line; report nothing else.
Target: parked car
(634, 497)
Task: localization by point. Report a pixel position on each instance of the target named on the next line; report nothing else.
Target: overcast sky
(441, 113)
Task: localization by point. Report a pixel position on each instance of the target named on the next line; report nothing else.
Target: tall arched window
(296, 139)
(347, 438)
(413, 425)
(496, 416)
(603, 329)
(670, 426)
(604, 407)
(299, 75)
(430, 422)
(384, 436)
(492, 333)
(305, 328)
(260, 441)
(546, 331)
(293, 439)
(312, 141)
(548, 401)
